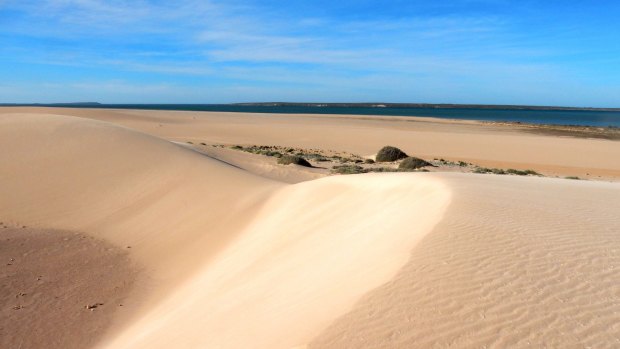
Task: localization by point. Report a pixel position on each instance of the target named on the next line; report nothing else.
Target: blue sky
(191, 51)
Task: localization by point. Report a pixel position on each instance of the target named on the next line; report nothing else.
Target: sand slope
(515, 263)
(310, 253)
(174, 207)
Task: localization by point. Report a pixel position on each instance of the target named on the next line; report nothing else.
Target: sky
(546, 52)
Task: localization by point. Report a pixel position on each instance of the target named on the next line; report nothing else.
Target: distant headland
(70, 104)
(421, 105)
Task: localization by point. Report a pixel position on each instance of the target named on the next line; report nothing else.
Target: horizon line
(332, 104)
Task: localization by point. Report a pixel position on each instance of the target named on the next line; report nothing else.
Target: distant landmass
(72, 104)
(421, 105)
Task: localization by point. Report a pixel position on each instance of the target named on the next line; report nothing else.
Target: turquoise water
(557, 117)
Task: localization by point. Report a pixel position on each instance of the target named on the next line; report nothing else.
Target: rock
(412, 163)
(389, 154)
(293, 159)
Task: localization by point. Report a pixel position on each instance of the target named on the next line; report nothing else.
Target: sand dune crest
(126, 187)
(311, 252)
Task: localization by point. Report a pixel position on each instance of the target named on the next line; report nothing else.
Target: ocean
(555, 117)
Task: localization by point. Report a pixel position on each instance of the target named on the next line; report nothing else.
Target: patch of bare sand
(515, 263)
(48, 279)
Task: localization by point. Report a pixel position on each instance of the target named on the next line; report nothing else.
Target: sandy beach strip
(485, 144)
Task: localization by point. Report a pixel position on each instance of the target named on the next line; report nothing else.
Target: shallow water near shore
(530, 116)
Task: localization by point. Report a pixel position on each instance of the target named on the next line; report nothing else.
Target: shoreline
(569, 130)
(614, 129)
(578, 131)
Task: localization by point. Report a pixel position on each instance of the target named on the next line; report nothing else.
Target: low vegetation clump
(356, 169)
(452, 163)
(348, 169)
(293, 159)
(308, 154)
(260, 150)
(510, 171)
(522, 172)
(389, 154)
(349, 163)
(572, 177)
(497, 171)
(314, 156)
(343, 160)
(412, 163)
(392, 169)
(385, 169)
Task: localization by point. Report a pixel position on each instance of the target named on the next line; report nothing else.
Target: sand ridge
(310, 253)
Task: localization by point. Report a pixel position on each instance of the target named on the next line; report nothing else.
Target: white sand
(310, 253)
(515, 263)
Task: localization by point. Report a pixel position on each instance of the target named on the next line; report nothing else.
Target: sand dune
(237, 260)
(310, 253)
(173, 206)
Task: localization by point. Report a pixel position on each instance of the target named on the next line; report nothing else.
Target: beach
(481, 143)
(204, 244)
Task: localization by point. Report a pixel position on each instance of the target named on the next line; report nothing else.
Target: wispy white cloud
(236, 33)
